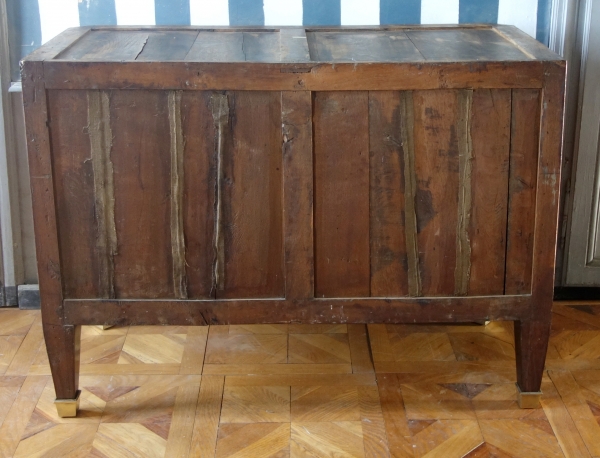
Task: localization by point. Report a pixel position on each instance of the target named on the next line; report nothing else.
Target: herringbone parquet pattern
(303, 391)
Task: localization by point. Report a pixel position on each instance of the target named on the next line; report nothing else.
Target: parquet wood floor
(303, 391)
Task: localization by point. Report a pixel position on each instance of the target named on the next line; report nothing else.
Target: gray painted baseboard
(27, 297)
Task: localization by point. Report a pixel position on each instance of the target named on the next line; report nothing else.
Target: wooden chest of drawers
(226, 176)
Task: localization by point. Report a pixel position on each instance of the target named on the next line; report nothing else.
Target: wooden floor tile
(421, 346)
(479, 346)
(518, 439)
(9, 389)
(16, 322)
(163, 348)
(258, 329)
(578, 344)
(28, 350)
(20, 412)
(428, 401)
(194, 350)
(325, 403)
(253, 404)
(64, 440)
(276, 369)
(319, 348)
(265, 440)
(116, 440)
(206, 420)
(341, 439)
(447, 439)
(223, 348)
(8, 349)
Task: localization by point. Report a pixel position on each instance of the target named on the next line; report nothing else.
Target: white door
(583, 243)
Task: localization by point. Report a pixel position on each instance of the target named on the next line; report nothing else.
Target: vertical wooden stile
(386, 167)
(296, 120)
(220, 111)
(490, 138)
(522, 190)
(436, 202)
(341, 140)
(465, 165)
(104, 198)
(410, 192)
(177, 177)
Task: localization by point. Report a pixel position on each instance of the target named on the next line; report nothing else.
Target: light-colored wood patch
(66, 440)
(319, 348)
(318, 403)
(246, 348)
(341, 439)
(153, 349)
(254, 404)
(128, 439)
(270, 440)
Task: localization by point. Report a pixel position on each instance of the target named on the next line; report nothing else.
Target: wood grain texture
(285, 76)
(206, 424)
(43, 192)
(177, 189)
(141, 161)
(387, 164)
(252, 198)
(104, 197)
(296, 109)
(341, 155)
(436, 165)
(490, 136)
(80, 230)
(199, 192)
(522, 189)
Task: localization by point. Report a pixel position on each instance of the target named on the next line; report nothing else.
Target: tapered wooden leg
(62, 344)
(531, 344)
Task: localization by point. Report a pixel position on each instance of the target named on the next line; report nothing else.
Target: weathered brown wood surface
(198, 176)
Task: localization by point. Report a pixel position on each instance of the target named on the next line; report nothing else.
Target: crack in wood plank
(462, 271)
(100, 134)
(410, 193)
(177, 177)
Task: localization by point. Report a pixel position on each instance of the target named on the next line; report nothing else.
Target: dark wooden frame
(62, 318)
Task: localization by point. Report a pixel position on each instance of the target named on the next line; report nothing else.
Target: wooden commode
(191, 176)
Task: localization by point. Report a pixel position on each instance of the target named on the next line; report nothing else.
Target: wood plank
(107, 45)
(176, 194)
(324, 311)
(522, 189)
(533, 48)
(359, 348)
(291, 76)
(141, 161)
(100, 137)
(167, 45)
(192, 360)
(341, 145)
(252, 198)
(373, 425)
(75, 202)
(490, 137)
(206, 424)
(298, 194)
(199, 162)
(275, 369)
(453, 45)
(436, 165)
(182, 421)
(389, 258)
(562, 424)
(357, 46)
(293, 45)
(394, 414)
(43, 192)
(217, 47)
(303, 380)
(57, 44)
